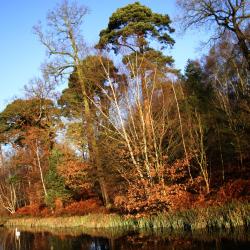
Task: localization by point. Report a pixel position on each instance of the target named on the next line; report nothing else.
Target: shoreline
(212, 218)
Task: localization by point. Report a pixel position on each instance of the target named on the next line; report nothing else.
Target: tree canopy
(133, 26)
(227, 15)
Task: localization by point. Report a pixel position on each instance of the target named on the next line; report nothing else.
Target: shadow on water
(74, 239)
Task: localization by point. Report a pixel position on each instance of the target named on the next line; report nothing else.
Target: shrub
(81, 208)
(30, 210)
(237, 189)
(143, 198)
(46, 212)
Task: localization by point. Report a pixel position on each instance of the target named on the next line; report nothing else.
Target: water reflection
(108, 240)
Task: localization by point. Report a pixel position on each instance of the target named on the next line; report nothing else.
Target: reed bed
(229, 216)
(216, 218)
(87, 221)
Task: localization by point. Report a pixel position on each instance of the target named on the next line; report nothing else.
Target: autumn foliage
(83, 207)
(74, 208)
(30, 210)
(234, 190)
(134, 136)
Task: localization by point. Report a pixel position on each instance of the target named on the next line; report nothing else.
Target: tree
(134, 28)
(199, 91)
(224, 59)
(1, 157)
(20, 115)
(27, 125)
(230, 83)
(9, 190)
(227, 15)
(65, 45)
(76, 173)
(54, 182)
(97, 85)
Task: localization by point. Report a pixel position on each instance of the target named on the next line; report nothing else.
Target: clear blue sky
(21, 53)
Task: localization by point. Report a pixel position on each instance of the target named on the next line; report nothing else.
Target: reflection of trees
(45, 240)
(133, 241)
(9, 241)
(179, 241)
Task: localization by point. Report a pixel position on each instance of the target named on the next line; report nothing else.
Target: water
(115, 239)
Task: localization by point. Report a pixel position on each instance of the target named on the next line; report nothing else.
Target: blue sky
(22, 54)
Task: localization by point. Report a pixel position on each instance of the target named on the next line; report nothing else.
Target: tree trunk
(40, 168)
(146, 109)
(1, 157)
(242, 40)
(92, 145)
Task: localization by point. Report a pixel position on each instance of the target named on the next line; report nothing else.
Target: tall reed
(215, 218)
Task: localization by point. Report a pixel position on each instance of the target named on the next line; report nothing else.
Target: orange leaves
(179, 198)
(164, 189)
(75, 174)
(83, 207)
(74, 208)
(143, 198)
(30, 210)
(178, 170)
(238, 189)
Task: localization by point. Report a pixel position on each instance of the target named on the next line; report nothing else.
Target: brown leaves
(83, 207)
(238, 189)
(76, 176)
(32, 210)
(74, 208)
(142, 197)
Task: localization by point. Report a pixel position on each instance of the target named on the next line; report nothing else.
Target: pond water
(115, 239)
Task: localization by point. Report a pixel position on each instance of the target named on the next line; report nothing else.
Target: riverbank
(214, 218)
(3, 220)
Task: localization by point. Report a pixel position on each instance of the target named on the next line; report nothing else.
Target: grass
(3, 220)
(87, 221)
(228, 217)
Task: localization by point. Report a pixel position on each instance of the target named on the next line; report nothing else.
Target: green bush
(55, 184)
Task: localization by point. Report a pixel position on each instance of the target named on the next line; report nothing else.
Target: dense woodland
(130, 133)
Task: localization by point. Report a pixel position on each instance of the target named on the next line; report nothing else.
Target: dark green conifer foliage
(133, 26)
(55, 184)
(198, 90)
(95, 80)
